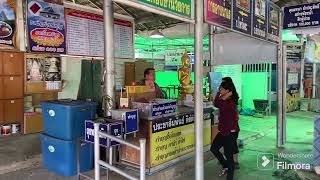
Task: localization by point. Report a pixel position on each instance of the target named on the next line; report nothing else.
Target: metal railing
(98, 162)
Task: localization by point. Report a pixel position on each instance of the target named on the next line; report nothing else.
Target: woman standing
(226, 100)
(236, 148)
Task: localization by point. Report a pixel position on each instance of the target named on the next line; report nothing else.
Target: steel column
(212, 31)
(280, 88)
(109, 63)
(198, 89)
(96, 152)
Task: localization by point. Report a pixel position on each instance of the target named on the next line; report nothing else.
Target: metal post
(96, 152)
(302, 75)
(269, 88)
(280, 91)
(212, 31)
(198, 89)
(109, 67)
(142, 159)
(314, 80)
(284, 96)
(21, 28)
(78, 158)
(110, 160)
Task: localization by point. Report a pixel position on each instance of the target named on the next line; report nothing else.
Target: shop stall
(247, 51)
(169, 139)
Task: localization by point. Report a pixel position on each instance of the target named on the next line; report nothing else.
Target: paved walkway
(259, 135)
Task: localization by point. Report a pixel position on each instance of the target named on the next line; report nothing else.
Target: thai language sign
(46, 27)
(274, 23)
(175, 138)
(7, 23)
(219, 12)
(173, 57)
(242, 16)
(180, 7)
(259, 23)
(305, 15)
(246, 16)
(89, 27)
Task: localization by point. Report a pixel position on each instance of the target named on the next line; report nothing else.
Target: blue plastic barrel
(60, 156)
(65, 119)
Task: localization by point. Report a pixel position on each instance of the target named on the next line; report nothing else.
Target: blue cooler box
(65, 119)
(61, 156)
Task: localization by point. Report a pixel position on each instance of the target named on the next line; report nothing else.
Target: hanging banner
(259, 22)
(89, 27)
(180, 7)
(173, 57)
(46, 29)
(273, 23)
(218, 12)
(7, 24)
(242, 16)
(304, 15)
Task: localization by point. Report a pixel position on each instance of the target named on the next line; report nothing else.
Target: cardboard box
(32, 123)
(37, 98)
(129, 154)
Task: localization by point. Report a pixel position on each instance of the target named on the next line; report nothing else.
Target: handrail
(98, 162)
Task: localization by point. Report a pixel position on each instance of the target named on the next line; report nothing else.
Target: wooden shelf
(32, 123)
(38, 87)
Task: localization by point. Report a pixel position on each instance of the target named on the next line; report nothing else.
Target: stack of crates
(64, 125)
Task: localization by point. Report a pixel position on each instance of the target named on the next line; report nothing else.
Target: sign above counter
(255, 18)
(90, 28)
(179, 7)
(301, 16)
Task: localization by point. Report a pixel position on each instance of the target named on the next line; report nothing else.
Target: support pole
(314, 80)
(198, 89)
(212, 31)
(109, 67)
(142, 159)
(96, 152)
(269, 88)
(280, 113)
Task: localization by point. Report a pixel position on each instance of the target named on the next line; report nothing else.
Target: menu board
(273, 25)
(242, 16)
(218, 12)
(259, 22)
(90, 28)
(123, 39)
(7, 23)
(46, 27)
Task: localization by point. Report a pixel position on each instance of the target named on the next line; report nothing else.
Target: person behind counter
(149, 80)
(228, 126)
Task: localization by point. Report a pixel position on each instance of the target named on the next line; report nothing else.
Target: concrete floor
(259, 135)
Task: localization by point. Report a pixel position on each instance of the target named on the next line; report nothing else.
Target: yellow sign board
(177, 141)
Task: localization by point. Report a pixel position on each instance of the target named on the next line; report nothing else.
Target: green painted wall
(254, 86)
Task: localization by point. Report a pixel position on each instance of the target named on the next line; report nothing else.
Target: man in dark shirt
(149, 80)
